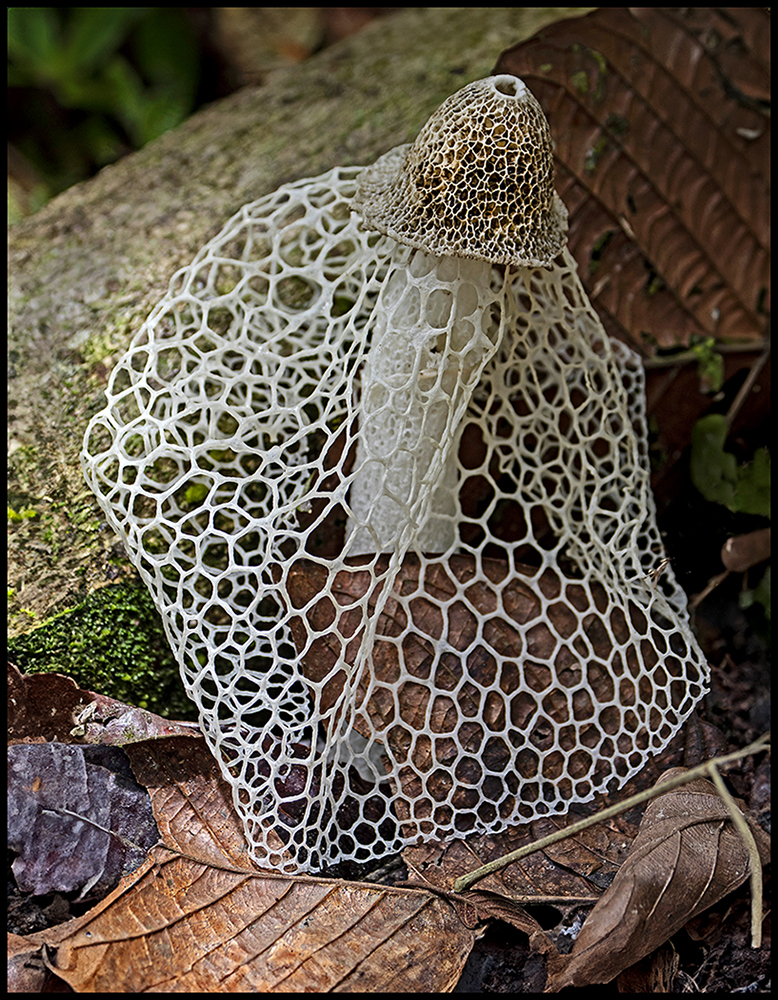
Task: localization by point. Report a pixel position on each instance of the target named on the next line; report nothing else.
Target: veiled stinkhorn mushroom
(475, 189)
(387, 480)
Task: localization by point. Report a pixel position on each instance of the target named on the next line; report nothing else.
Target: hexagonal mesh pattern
(396, 516)
(477, 182)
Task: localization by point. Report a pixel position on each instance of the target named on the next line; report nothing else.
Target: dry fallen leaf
(53, 707)
(573, 871)
(198, 916)
(27, 972)
(742, 552)
(42, 706)
(181, 925)
(661, 124)
(686, 857)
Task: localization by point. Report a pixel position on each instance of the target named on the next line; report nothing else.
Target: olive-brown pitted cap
(477, 182)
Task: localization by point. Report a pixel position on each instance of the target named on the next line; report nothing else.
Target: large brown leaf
(199, 917)
(661, 123)
(184, 926)
(572, 872)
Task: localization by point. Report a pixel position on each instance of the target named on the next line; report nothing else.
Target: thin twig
(702, 770)
(754, 861)
(710, 586)
(746, 387)
(683, 358)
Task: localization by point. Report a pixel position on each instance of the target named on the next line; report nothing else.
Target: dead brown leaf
(687, 856)
(76, 819)
(571, 872)
(42, 706)
(181, 925)
(660, 118)
(661, 123)
(52, 707)
(26, 970)
(192, 802)
(199, 916)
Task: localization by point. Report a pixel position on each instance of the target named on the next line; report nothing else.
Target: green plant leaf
(164, 49)
(33, 39)
(716, 474)
(95, 33)
(714, 471)
(752, 491)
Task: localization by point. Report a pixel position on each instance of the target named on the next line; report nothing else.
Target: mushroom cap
(477, 182)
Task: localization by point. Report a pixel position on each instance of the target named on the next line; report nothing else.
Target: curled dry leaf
(26, 971)
(687, 855)
(55, 708)
(185, 776)
(191, 801)
(42, 706)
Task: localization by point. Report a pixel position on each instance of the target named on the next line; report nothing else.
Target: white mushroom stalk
(387, 480)
(427, 354)
(475, 189)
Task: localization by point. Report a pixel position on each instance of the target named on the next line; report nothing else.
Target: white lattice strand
(394, 508)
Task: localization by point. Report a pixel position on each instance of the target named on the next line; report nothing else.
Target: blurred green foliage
(760, 594)
(710, 364)
(88, 84)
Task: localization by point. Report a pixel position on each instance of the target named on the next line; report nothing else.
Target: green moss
(112, 643)
(101, 345)
(195, 495)
(21, 515)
